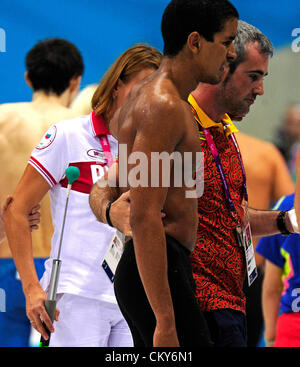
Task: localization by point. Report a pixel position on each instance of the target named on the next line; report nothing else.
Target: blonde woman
(89, 315)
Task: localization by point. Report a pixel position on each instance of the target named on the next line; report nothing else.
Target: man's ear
(195, 42)
(226, 73)
(75, 83)
(27, 80)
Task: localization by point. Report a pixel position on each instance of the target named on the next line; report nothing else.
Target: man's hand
(120, 214)
(8, 200)
(34, 218)
(36, 312)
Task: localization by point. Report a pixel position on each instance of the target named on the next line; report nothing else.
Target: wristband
(107, 213)
(281, 223)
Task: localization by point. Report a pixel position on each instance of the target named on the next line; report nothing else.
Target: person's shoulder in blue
(284, 252)
(269, 247)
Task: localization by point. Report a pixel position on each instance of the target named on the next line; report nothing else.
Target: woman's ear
(117, 87)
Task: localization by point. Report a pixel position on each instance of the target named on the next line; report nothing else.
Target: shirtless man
(55, 83)
(268, 178)
(155, 293)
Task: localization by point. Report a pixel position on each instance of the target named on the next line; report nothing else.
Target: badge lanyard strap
(106, 149)
(216, 156)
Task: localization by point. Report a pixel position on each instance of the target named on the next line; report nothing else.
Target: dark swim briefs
(191, 326)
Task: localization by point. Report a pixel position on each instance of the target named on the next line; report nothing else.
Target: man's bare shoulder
(159, 103)
(261, 146)
(13, 106)
(263, 151)
(30, 114)
(9, 109)
(12, 113)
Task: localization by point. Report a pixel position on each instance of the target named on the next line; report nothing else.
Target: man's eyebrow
(260, 72)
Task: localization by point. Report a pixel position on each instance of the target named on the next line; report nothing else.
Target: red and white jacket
(76, 142)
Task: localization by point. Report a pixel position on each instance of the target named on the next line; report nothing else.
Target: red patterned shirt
(218, 261)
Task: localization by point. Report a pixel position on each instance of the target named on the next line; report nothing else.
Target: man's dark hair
(52, 63)
(182, 17)
(247, 33)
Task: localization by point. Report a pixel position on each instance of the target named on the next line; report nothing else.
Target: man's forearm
(100, 197)
(103, 191)
(151, 257)
(266, 223)
(263, 222)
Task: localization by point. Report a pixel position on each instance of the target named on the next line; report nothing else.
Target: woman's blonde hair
(132, 61)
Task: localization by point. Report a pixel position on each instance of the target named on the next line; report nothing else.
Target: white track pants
(85, 322)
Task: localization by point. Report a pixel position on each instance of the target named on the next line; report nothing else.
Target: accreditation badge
(113, 255)
(249, 254)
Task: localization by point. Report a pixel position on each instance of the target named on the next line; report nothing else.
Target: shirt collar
(98, 125)
(206, 122)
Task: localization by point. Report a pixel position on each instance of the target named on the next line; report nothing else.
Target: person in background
(54, 68)
(287, 138)
(281, 285)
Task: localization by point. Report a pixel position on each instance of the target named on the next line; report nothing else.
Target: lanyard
(216, 156)
(106, 149)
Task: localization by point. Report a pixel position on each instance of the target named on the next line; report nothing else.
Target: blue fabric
(14, 325)
(284, 252)
(227, 327)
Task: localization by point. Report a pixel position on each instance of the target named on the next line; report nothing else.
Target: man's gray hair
(248, 33)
